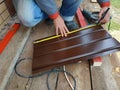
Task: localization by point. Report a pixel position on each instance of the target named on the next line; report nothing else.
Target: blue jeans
(30, 13)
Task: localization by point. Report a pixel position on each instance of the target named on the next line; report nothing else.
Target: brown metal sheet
(60, 39)
(36, 70)
(78, 46)
(71, 42)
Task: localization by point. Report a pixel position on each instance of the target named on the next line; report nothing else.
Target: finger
(100, 14)
(64, 31)
(107, 18)
(61, 32)
(57, 31)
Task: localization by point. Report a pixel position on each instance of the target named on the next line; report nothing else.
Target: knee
(29, 13)
(26, 19)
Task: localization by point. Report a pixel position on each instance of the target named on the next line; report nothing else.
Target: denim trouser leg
(69, 8)
(29, 13)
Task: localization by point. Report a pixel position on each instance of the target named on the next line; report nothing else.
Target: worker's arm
(105, 4)
(50, 8)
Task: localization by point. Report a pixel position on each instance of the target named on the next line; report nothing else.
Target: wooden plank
(79, 70)
(70, 42)
(73, 36)
(62, 55)
(102, 77)
(8, 36)
(10, 55)
(80, 31)
(80, 47)
(80, 18)
(19, 83)
(115, 62)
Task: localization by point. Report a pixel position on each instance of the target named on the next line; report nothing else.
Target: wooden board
(10, 55)
(115, 62)
(79, 70)
(102, 77)
(81, 45)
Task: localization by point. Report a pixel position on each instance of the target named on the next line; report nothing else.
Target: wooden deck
(79, 70)
(100, 78)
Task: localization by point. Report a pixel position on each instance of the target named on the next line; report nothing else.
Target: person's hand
(107, 16)
(60, 26)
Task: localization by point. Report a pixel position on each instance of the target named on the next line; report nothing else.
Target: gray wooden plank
(11, 54)
(19, 83)
(79, 70)
(115, 62)
(102, 77)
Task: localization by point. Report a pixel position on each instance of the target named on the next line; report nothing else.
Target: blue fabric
(30, 13)
(69, 7)
(48, 6)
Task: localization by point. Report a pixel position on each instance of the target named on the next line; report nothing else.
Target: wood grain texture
(82, 45)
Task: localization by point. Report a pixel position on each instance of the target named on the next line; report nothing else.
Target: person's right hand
(107, 16)
(60, 26)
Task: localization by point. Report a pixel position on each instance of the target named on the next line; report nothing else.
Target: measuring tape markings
(57, 36)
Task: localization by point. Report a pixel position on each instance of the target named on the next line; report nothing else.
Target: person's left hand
(107, 16)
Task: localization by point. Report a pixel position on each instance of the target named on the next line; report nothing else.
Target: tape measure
(57, 36)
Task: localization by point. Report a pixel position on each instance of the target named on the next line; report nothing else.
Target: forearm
(104, 3)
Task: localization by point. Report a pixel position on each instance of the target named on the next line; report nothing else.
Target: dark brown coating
(82, 45)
